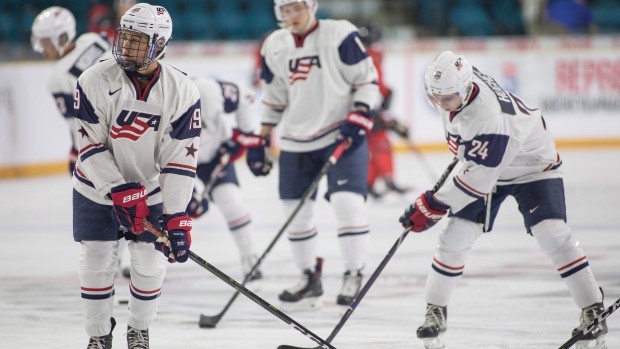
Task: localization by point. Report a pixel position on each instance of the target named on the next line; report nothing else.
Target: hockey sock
(98, 261)
(302, 233)
(455, 243)
(353, 229)
(148, 270)
(556, 240)
(230, 201)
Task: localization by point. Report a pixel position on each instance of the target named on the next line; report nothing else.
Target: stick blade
(284, 346)
(208, 321)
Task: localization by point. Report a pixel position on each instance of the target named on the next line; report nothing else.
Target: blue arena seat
(471, 21)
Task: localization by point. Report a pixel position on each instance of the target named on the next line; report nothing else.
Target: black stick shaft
(211, 321)
(214, 176)
(377, 272)
(600, 318)
(240, 288)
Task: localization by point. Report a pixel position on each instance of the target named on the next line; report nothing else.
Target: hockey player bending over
(139, 127)
(319, 84)
(53, 34)
(221, 145)
(505, 149)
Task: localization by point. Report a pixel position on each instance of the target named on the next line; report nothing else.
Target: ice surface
(510, 296)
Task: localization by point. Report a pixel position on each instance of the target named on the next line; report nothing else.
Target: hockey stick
(599, 319)
(215, 174)
(375, 274)
(423, 160)
(162, 236)
(211, 321)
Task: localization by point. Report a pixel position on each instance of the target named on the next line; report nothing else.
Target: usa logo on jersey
(301, 67)
(133, 124)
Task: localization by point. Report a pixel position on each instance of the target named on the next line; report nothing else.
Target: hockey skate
(307, 294)
(137, 339)
(351, 284)
(103, 342)
(596, 338)
(431, 332)
(374, 193)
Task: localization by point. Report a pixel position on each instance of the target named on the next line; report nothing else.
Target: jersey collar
(472, 96)
(141, 94)
(299, 39)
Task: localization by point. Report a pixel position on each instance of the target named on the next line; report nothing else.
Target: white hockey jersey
(90, 48)
(500, 140)
(127, 134)
(310, 83)
(221, 100)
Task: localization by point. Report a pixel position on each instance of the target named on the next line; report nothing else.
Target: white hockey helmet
(52, 23)
(448, 74)
(152, 20)
(313, 5)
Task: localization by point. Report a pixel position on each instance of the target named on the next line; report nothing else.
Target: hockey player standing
(139, 125)
(220, 146)
(319, 84)
(53, 34)
(505, 149)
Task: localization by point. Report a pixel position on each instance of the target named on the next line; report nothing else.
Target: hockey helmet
(448, 74)
(142, 19)
(312, 5)
(52, 23)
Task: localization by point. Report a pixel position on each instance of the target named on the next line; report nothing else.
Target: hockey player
(139, 124)
(319, 84)
(506, 149)
(53, 34)
(381, 163)
(220, 146)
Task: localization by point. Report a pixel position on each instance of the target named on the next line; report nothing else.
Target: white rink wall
(576, 81)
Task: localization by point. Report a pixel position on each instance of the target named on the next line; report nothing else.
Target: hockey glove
(198, 205)
(355, 128)
(258, 158)
(238, 143)
(130, 207)
(423, 213)
(73, 156)
(178, 226)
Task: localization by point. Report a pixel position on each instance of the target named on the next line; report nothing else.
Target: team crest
(458, 64)
(132, 124)
(301, 67)
(437, 75)
(161, 11)
(136, 9)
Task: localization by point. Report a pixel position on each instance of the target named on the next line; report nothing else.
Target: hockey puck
(123, 301)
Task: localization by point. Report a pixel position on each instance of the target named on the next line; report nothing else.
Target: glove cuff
(361, 119)
(435, 205)
(128, 194)
(248, 140)
(177, 221)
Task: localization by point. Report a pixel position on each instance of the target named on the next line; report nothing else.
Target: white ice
(510, 296)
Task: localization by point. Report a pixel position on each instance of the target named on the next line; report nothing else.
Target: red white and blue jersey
(90, 48)
(310, 83)
(225, 105)
(128, 134)
(500, 139)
